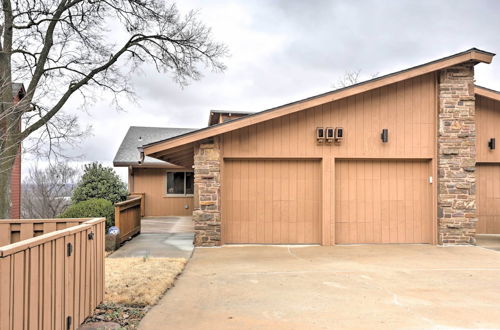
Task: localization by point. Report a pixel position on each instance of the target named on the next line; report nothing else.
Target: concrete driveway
(370, 287)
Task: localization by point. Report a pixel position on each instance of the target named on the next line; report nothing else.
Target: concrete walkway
(161, 237)
(343, 287)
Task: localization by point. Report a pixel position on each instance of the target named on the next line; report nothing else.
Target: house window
(180, 183)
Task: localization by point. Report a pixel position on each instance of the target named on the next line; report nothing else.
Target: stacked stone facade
(206, 214)
(457, 156)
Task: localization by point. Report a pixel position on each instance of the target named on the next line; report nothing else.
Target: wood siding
(383, 201)
(487, 126)
(406, 109)
(271, 201)
(488, 198)
(151, 182)
(41, 285)
(488, 167)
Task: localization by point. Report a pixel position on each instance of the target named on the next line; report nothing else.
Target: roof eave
(145, 165)
(487, 92)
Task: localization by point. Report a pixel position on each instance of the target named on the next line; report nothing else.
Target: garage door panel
(272, 201)
(488, 198)
(383, 202)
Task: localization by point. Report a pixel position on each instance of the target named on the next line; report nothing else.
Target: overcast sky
(282, 51)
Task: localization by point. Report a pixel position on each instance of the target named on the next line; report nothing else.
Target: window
(180, 183)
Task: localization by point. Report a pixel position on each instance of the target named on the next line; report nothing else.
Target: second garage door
(271, 201)
(383, 201)
(488, 198)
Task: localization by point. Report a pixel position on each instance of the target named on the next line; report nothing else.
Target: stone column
(457, 156)
(206, 214)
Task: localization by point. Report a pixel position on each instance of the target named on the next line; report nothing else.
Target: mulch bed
(128, 317)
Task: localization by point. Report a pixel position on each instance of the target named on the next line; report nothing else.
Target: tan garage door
(271, 201)
(383, 201)
(488, 198)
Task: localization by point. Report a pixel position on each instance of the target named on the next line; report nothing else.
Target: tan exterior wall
(152, 182)
(407, 109)
(487, 126)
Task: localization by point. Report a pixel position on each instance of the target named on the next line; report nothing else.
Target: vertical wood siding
(488, 175)
(383, 201)
(151, 181)
(487, 126)
(407, 109)
(40, 285)
(488, 198)
(272, 201)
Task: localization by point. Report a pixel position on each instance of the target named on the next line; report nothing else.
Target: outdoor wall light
(330, 132)
(339, 134)
(492, 143)
(320, 134)
(385, 135)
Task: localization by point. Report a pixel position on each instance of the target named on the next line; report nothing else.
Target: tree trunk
(9, 116)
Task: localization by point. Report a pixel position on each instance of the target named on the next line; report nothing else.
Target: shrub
(92, 208)
(99, 182)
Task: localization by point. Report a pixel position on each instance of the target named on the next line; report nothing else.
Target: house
(149, 176)
(18, 92)
(408, 157)
(167, 188)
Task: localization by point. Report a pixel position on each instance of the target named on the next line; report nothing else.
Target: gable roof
(128, 155)
(487, 92)
(160, 148)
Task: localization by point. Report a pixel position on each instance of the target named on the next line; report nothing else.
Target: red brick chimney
(15, 181)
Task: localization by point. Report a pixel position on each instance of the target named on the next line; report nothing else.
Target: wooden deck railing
(128, 217)
(52, 280)
(143, 201)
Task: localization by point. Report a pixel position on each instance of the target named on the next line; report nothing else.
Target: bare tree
(47, 192)
(351, 78)
(63, 47)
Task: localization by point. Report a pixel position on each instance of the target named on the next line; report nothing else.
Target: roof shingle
(136, 137)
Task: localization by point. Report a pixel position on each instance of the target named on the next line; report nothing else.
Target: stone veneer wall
(206, 214)
(457, 156)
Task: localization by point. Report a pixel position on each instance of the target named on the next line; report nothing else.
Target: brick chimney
(15, 180)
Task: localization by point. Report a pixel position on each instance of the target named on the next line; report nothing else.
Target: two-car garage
(280, 201)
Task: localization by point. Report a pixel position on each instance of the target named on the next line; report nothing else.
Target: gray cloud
(282, 51)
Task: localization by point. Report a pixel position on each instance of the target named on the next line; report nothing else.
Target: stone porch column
(206, 214)
(457, 156)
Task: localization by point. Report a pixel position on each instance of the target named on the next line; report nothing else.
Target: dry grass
(140, 281)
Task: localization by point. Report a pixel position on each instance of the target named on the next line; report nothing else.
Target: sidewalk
(161, 237)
